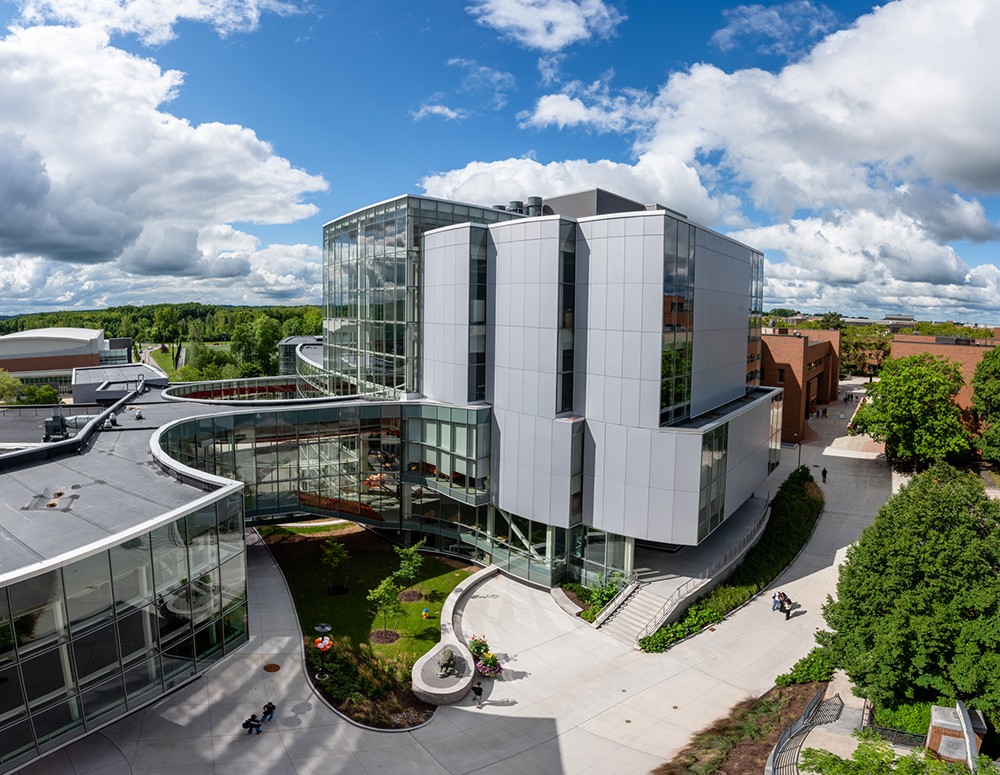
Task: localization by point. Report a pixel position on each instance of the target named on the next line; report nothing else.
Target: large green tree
(986, 402)
(912, 410)
(864, 346)
(10, 386)
(917, 613)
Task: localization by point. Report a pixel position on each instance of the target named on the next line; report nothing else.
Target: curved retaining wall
(449, 690)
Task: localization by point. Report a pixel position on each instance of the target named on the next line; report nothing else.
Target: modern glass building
(611, 352)
(109, 599)
(372, 298)
(536, 387)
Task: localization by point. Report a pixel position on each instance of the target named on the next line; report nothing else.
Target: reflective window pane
(11, 696)
(88, 592)
(142, 682)
(96, 654)
(48, 676)
(56, 724)
(39, 611)
(170, 569)
(132, 573)
(103, 701)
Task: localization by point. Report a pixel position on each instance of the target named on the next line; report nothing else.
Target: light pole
(323, 643)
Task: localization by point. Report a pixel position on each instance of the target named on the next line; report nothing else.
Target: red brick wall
(804, 392)
(967, 356)
(49, 362)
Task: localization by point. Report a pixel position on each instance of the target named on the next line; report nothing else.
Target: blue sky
(175, 150)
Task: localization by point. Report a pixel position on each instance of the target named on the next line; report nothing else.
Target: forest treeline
(252, 332)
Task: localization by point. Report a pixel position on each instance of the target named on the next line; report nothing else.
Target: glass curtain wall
(712, 493)
(774, 447)
(411, 467)
(756, 320)
(86, 643)
(595, 556)
(678, 321)
(372, 271)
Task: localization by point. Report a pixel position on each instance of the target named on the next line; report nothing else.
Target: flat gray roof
(125, 372)
(111, 487)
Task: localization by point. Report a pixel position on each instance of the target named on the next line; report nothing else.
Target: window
(781, 376)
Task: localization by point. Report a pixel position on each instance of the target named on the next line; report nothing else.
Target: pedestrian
(477, 692)
(824, 411)
(775, 602)
(823, 474)
(786, 605)
(251, 724)
(268, 714)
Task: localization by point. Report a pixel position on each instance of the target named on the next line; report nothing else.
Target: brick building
(807, 365)
(966, 352)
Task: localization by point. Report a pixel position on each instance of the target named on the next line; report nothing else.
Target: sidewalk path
(573, 700)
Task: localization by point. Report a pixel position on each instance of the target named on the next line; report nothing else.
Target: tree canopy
(986, 402)
(912, 410)
(917, 613)
(864, 346)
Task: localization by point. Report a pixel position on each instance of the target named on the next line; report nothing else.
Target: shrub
(794, 511)
(817, 665)
(909, 717)
(354, 669)
(489, 665)
(478, 646)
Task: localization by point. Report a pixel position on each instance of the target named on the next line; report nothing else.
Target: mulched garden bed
(746, 757)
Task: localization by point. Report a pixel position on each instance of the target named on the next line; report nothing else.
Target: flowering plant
(489, 665)
(478, 646)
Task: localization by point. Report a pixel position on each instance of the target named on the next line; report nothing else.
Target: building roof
(53, 511)
(122, 372)
(74, 334)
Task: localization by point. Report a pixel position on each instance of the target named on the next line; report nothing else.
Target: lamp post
(323, 643)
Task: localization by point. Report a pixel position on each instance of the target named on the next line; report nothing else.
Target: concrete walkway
(572, 699)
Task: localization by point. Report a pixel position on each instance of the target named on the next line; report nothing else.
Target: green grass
(350, 614)
(163, 360)
(304, 531)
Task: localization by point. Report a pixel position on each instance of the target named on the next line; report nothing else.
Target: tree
(335, 555)
(832, 321)
(410, 563)
(39, 394)
(783, 312)
(10, 386)
(386, 603)
(875, 756)
(912, 409)
(986, 385)
(917, 614)
(864, 348)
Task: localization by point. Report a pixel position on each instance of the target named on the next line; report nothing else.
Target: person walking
(268, 714)
(775, 602)
(251, 724)
(477, 692)
(786, 605)
(823, 474)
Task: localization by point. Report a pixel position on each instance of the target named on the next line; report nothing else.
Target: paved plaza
(572, 700)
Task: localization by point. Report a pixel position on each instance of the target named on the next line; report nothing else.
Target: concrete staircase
(632, 616)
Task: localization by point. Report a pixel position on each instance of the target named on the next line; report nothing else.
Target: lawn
(371, 560)
(163, 359)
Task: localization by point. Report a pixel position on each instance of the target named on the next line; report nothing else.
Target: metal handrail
(630, 585)
(793, 729)
(693, 584)
(890, 735)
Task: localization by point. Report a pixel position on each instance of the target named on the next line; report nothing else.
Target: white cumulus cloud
(548, 25)
(153, 21)
(865, 159)
(94, 170)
